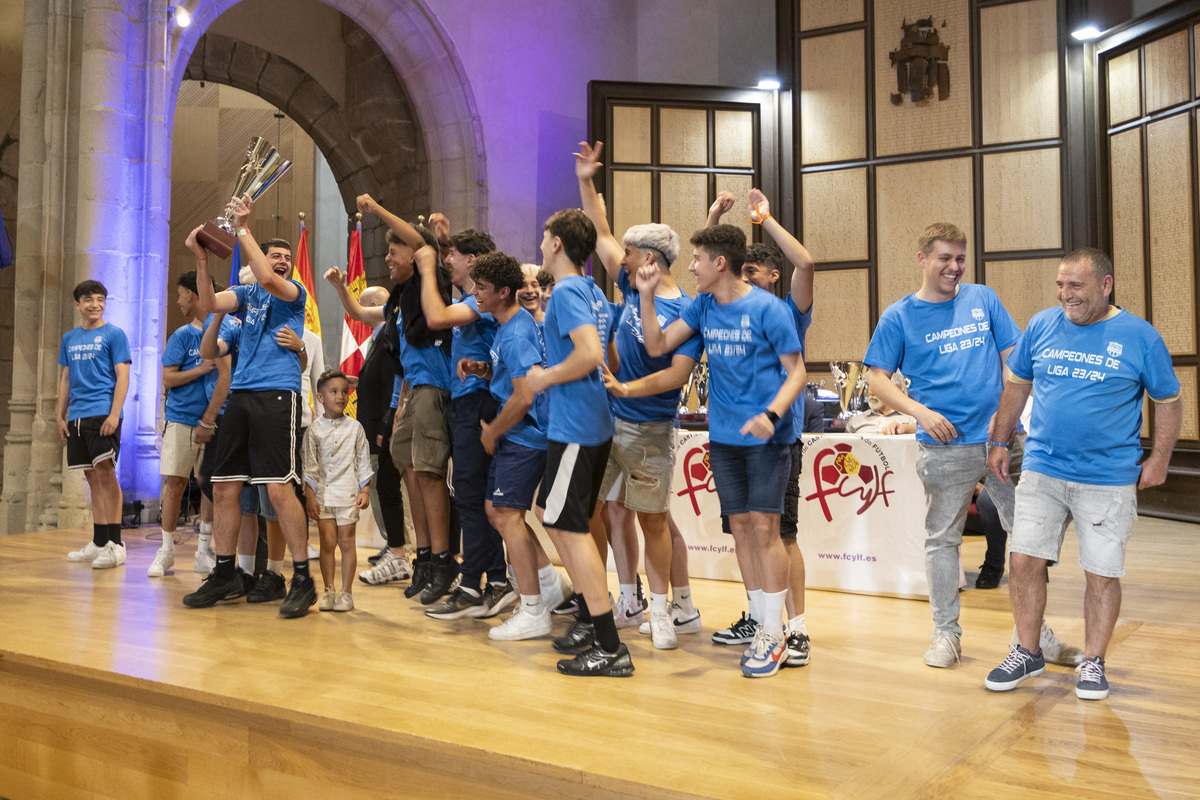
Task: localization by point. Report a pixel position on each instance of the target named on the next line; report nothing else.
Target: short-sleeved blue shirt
(1087, 394)
(185, 403)
(744, 340)
(579, 412)
(950, 352)
(423, 366)
(91, 358)
(803, 321)
(473, 341)
(515, 349)
(263, 364)
(637, 363)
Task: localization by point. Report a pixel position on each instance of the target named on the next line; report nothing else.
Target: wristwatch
(771, 415)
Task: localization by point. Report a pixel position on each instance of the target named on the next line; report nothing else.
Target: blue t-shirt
(231, 334)
(264, 364)
(91, 358)
(1087, 394)
(187, 402)
(803, 321)
(951, 354)
(744, 340)
(515, 349)
(424, 366)
(578, 410)
(637, 363)
(473, 341)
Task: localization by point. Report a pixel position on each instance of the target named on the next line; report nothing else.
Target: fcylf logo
(837, 472)
(697, 475)
(1114, 349)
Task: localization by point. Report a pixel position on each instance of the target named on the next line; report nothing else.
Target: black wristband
(771, 415)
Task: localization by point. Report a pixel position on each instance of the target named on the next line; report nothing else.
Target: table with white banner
(861, 519)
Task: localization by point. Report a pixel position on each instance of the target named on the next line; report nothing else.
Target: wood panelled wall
(870, 175)
(1148, 91)
(213, 126)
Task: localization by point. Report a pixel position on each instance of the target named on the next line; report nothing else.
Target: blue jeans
(482, 547)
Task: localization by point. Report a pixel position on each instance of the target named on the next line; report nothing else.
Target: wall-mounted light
(181, 15)
(1086, 33)
(770, 84)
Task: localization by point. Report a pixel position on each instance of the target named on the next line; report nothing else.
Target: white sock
(629, 590)
(772, 605)
(246, 563)
(683, 599)
(547, 577)
(205, 530)
(532, 604)
(658, 604)
(275, 566)
(796, 624)
(168, 540)
(757, 612)
(205, 544)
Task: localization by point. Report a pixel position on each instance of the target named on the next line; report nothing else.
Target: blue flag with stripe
(235, 265)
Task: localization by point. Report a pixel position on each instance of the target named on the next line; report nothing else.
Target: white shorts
(342, 515)
(181, 453)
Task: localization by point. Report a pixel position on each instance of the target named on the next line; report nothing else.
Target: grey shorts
(644, 453)
(1104, 517)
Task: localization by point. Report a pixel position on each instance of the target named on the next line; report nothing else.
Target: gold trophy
(262, 167)
(850, 380)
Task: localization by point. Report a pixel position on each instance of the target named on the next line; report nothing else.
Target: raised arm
(658, 342)
(372, 315)
(211, 345)
(211, 302)
(796, 253)
(278, 285)
(718, 209)
(438, 315)
(587, 162)
(407, 233)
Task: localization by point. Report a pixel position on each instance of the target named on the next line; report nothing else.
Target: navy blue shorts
(750, 478)
(514, 475)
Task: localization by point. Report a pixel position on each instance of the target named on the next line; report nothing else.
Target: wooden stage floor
(109, 687)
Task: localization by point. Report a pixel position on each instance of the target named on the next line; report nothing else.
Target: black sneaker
(375, 558)
(740, 632)
(300, 597)
(213, 590)
(420, 577)
(595, 663)
(460, 603)
(989, 577)
(798, 649)
(580, 636)
(247, 581)
(568, 606)
(497, 597)
(441, 582)
(641, 594)
(269, 586)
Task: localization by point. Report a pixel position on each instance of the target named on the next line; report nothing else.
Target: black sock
(606, 632)
(424, 554)
(441, 559)
(114, 533)
(99, 535)
(226, 567)
(300, 568)
(583, 615)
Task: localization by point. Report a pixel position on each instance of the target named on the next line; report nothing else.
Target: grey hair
(657, 237)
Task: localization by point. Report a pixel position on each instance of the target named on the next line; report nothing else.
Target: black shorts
(260, 438)
(571, 485)
(86, 447)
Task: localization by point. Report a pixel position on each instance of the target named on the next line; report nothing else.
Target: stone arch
(422, 54)
(372, 144)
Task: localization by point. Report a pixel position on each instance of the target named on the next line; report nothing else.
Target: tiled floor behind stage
(109, 687)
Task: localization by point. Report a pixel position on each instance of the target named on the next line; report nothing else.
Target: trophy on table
(685, 394)
(702, 391)
(262, 167)
(850, 380)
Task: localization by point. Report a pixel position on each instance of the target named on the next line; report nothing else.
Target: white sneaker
(313, 553)
(205, 562)
(552, 596)
(164, 559)
(86, 555)
(662, 629)
(628, 612)
(945, 650)
(522, 625)
(344, 602)
(111, 555)
(327, 600)
(387, 569)
(682, 623)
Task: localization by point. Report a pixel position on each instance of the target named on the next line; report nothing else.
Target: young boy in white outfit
(337, 484)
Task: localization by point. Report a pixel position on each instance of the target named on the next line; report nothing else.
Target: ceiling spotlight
(182, 17)
(1086, 33)
(770, 84)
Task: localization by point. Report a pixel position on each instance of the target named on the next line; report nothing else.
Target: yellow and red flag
(356, 336)
(302, 271)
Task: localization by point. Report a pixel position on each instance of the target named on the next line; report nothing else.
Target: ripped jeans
(643, 459)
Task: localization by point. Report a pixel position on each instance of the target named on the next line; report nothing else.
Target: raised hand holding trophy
(262, 167)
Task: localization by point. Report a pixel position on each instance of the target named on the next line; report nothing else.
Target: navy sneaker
(1091, 685)
(740, 632)
(1019, 665)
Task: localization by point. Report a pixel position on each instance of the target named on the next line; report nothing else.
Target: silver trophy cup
(850, 380)
(262, 167)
